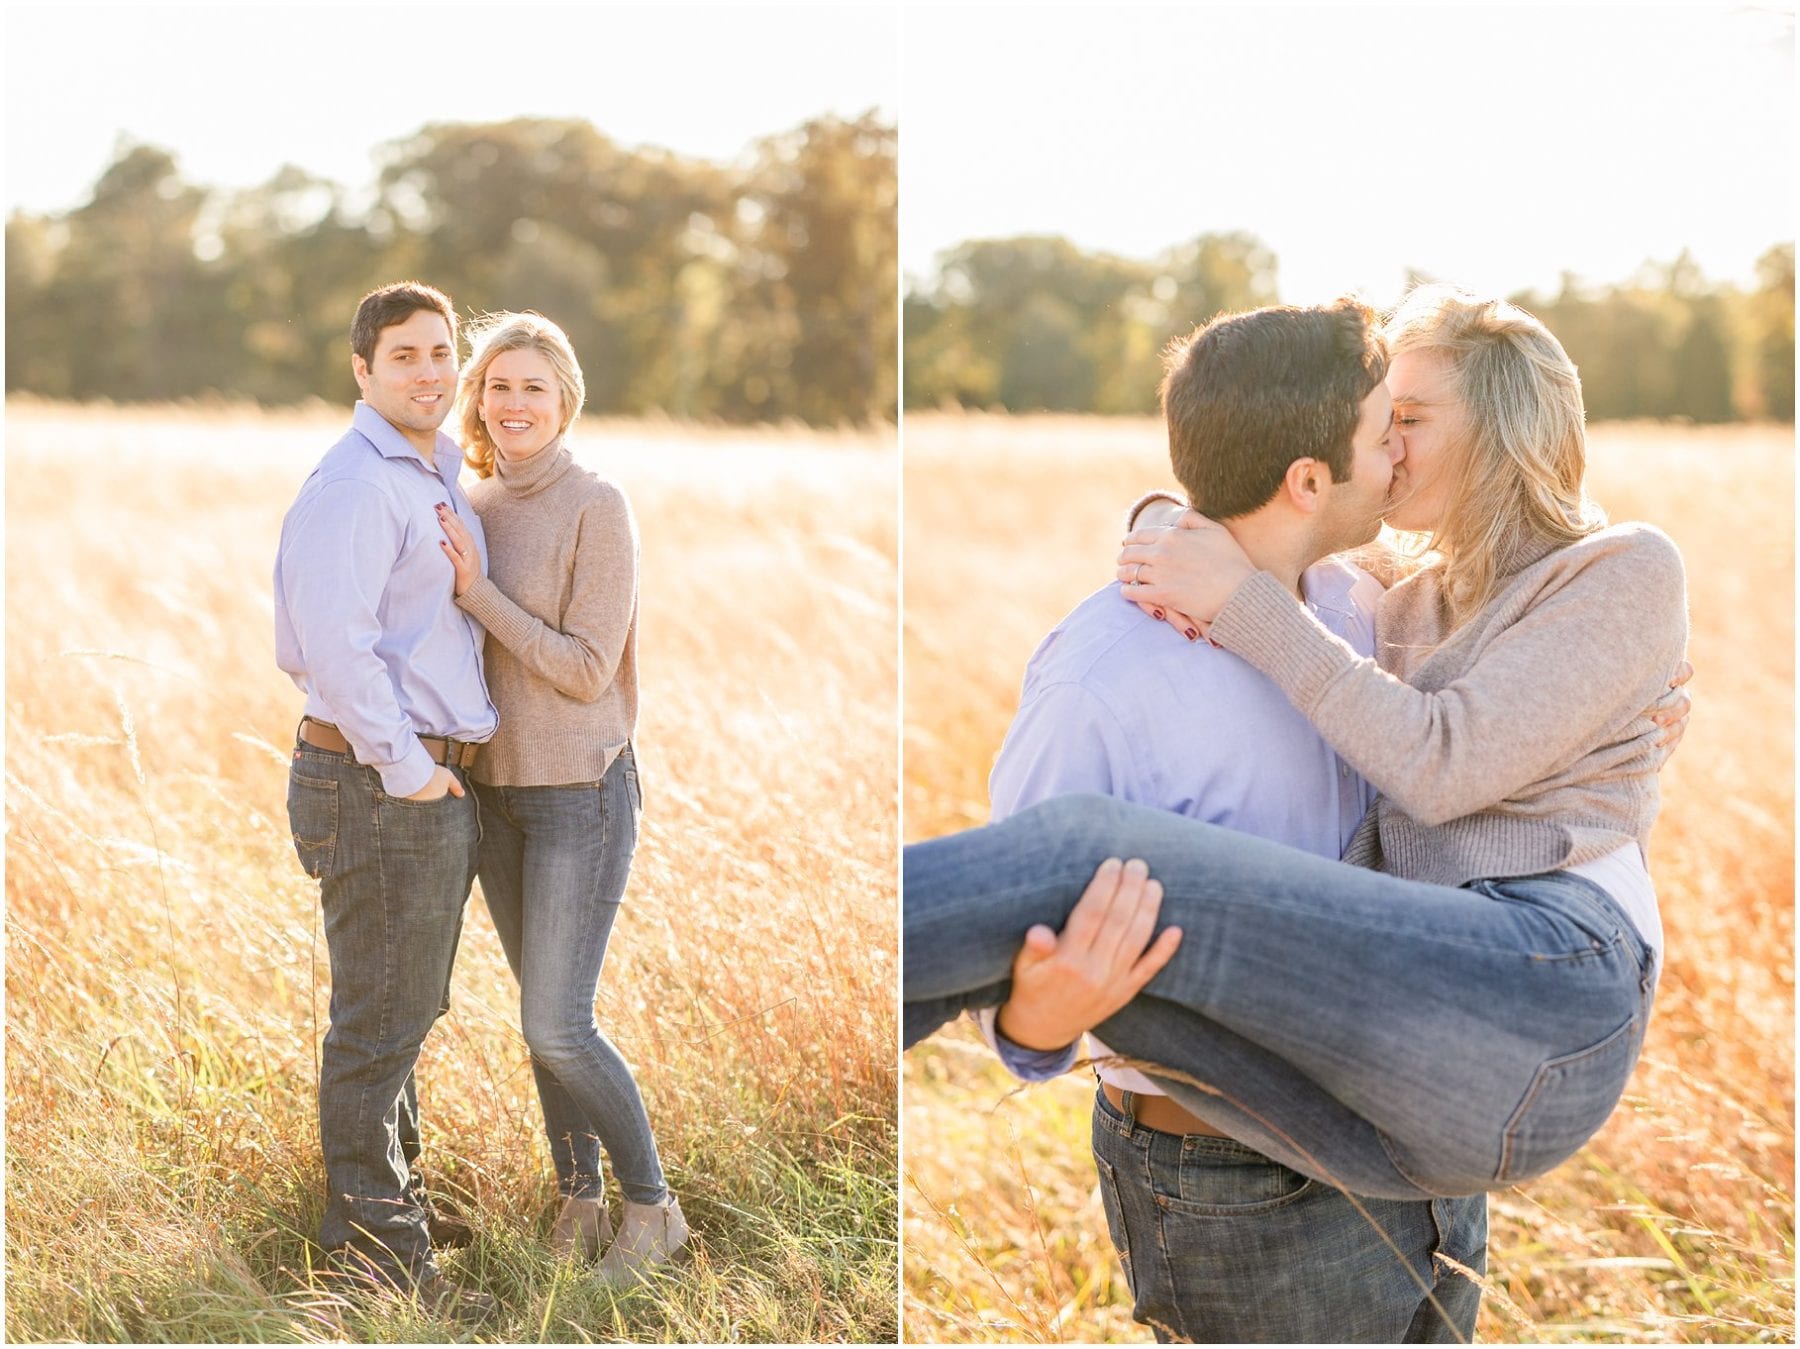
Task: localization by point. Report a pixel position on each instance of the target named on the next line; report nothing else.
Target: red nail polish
(1193, 635)
(1160, 615)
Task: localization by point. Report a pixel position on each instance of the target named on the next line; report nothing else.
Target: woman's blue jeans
(553, 866)
(1394, 1038)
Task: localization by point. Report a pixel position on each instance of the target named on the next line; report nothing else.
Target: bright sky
(1496, 146)
(236, 91)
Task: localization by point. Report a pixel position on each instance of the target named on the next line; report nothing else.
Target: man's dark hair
(1247, 394)
(388, 305)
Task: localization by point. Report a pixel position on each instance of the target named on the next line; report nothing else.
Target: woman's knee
(557, 1035)
(1081, 829)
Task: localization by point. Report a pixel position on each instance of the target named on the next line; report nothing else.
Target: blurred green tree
(815, 298)
(756, 291)
(133, 304)
(1768, 325)
(1034, 323)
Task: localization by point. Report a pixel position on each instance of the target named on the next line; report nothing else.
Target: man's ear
(360, 368)
(1306, 483)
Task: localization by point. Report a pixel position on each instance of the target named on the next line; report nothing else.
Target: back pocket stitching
(1538, 1081)
(328, 844)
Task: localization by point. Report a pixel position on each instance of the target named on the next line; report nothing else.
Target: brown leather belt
(1159, 1113)
(451, 753)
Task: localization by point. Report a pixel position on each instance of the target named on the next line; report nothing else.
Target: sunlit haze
(235, 92)
(1498, 147)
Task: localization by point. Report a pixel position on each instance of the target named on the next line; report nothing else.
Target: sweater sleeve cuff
(484, 602)
(1267, 626)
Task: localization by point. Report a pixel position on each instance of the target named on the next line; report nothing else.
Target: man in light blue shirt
(367, 625)
(1279, 428)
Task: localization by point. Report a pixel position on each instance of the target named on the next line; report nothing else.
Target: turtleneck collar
(1522, 549)
(531, 476)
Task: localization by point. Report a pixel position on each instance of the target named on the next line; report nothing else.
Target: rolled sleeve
(1028, 1065)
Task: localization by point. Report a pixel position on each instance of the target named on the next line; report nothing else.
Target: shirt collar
(1326, 586)
(386, 437)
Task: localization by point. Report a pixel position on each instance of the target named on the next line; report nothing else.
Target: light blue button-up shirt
(365, 617)
(1117, 703)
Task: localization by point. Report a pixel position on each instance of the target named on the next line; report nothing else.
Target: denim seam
(1262, 904)
(330, 842)
(1237, 898)
(1119, 1126)
(1425, 1191)
(362, 1097)
(1241, 899)
(1167, 1267)
(1510, 1135)
(1199, 1208)
(605, 823)
(1108, 1175)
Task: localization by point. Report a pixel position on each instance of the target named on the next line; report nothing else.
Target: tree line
(751, 292)
(1036, 324)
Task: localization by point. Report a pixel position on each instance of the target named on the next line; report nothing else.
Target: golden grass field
(166, 975)
(1676, 1223)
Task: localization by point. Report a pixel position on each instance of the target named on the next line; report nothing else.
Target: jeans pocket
(313, 821)
(407, 802)
(1218, 1178)
(1568, 1100)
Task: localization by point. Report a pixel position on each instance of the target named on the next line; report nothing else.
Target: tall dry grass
(166, 973)
(1676, 1222)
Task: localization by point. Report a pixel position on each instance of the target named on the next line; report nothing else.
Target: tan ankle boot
(582, 1229)
(648, 1235)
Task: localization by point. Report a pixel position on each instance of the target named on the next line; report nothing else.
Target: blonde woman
(1465, 1017)
(557, 785)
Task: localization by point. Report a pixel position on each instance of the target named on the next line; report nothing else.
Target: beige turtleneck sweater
(559, 602)
(1515, 744)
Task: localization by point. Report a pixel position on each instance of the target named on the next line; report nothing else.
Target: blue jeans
(394, 876)
(1223, 1246)
(1399, 1039)
(554, 861)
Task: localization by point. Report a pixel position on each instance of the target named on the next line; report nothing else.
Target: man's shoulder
(1107, 644)
(353, 475)
(353, 458)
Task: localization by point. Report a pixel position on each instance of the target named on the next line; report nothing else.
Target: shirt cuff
(1029, 1065)
(410, 774)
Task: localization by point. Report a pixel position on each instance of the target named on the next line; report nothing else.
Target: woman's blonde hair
(489, 337)
(1524, 450)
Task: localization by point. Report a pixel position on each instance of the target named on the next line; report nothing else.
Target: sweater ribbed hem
(1491, 846)
(568, 763)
